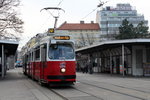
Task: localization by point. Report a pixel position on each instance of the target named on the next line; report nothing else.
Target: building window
(105, 14)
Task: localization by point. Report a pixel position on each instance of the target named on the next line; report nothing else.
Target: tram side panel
(33, 70)
(37, 70)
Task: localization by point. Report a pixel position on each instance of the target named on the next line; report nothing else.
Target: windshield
(61, 51)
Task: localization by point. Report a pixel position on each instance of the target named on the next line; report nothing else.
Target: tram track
(92, 95)
(89, 94)
(131, 88)
(84, 87)
(57, 94)
(45, 90)
(56, 91)
(75, 89)
(64, 98)
(115, 91)
(125, 87)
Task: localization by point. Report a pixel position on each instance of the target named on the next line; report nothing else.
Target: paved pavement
(16, 86)
(114, 87)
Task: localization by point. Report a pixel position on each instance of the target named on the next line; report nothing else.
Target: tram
(50, 59)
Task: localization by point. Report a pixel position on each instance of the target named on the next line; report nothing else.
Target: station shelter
(126, 57)
(8, 49)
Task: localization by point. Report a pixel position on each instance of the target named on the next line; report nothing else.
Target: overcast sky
(75, 11)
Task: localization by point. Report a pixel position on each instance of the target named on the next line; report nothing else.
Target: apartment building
(110, 18)
(83, 33)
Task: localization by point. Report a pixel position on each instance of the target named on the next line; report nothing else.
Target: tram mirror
(43, 46)
(54, 46)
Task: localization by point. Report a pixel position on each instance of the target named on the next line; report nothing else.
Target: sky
(37, 21)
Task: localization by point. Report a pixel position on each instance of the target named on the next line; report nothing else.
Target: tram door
(43, 60)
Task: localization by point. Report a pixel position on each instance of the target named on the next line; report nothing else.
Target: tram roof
(115, 42)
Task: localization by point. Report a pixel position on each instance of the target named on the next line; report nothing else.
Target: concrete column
(110, 61)
(123, 58)
(3, 69)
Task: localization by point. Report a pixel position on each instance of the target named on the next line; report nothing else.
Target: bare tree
(82, 39)
(10, 24)
(90, 38)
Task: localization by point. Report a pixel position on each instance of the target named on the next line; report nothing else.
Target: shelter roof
(116, 42)
(10, 47)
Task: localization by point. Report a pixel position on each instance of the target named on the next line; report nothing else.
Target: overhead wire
(51, 13)
(60, 2)
(59, 5)
(89, 13)
(100, 5)
(58, 10)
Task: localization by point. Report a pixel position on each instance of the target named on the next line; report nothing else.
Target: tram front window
(61, 51)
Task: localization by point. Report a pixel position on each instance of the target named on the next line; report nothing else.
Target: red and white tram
(51, 60)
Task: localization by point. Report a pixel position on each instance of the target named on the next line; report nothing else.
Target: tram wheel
(42, 83)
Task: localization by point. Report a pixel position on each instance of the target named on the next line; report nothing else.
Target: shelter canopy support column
(123, 59)
(2, 60)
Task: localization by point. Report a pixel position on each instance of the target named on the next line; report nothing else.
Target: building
(83, 33)
(111, 18)
(126, 57)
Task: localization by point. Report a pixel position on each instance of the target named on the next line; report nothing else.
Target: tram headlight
(63, 70)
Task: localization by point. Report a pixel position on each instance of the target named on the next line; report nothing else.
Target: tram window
(54, 46)
(37, 54)
(61, 51)
(26, 58)
(32, 57)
